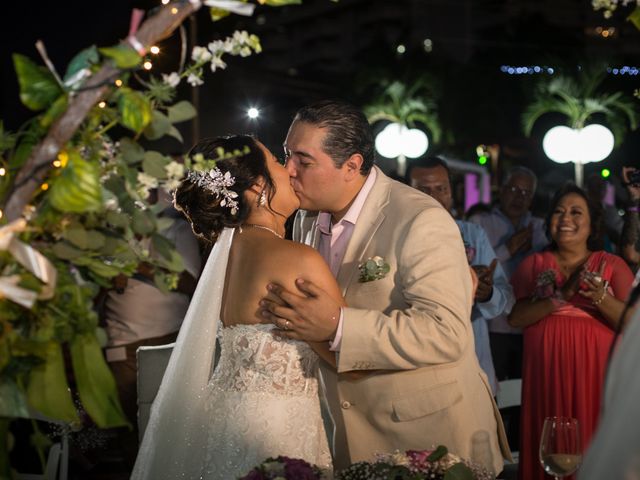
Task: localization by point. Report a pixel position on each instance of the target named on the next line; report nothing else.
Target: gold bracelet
(599, 301)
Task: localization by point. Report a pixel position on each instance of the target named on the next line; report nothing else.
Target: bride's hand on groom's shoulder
(310, 314)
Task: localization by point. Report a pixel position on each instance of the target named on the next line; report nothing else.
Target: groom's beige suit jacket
(412, 330)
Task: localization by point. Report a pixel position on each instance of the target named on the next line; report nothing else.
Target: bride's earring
(262, 200)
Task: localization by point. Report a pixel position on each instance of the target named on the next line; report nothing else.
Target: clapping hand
(485, 280)
(310, 314)
(593, 285)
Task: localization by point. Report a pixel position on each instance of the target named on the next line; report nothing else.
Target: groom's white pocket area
(420, 403)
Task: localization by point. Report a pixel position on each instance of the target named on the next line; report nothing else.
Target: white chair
(510, 395)
(152, 362)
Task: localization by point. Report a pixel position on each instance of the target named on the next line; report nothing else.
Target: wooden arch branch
(35, 169)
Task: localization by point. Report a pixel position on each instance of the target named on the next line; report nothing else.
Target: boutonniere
(373, 268)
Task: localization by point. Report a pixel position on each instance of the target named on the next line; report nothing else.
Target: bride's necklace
(255, 225)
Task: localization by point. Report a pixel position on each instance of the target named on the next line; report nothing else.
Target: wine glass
(560, 449)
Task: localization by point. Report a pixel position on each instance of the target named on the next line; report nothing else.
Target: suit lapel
(369, 220)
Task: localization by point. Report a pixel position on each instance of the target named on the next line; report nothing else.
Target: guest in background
(569, 301)
(514, 233)
(493, 295)
(630, 238)
(138, 313)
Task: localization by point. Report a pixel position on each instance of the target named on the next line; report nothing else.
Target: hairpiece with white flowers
(218, 184)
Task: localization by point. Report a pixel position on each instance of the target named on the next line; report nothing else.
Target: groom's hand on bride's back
(310, 314)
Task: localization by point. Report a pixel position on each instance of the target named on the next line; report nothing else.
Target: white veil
(176, 436)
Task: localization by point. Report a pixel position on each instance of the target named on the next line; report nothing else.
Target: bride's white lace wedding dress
(263, 402)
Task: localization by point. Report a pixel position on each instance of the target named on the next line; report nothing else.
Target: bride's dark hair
(201, 206)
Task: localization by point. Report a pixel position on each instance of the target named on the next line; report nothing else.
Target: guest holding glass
(569, 300)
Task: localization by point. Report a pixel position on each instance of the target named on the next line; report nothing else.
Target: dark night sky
(324, 49)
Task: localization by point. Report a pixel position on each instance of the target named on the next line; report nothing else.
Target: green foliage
(135, 110)
(38, 87)
(123, 56)
(406, 103)
(96, 386)
(181, 112)
(634, 17)
(78, 188)
(92, 223)
(48, 390)
(85, 59)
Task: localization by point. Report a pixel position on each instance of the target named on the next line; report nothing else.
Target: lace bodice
(252, 359)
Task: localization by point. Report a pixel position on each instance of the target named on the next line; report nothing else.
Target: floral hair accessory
(374, 268)
(217, 183)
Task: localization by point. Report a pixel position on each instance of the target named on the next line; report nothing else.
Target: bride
(261, 400)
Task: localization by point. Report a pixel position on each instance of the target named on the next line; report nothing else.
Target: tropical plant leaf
(84, 59)
(175, 133)
(162, 245)
(78, 188)
(48, 391)
(118, 219)
(96, 385)
(131, 151)
(38, 87)
(158, 127)
(13, 402)
(65, 251)
(438, 453)
(55, 110)
(143, 222)
(154, 163)
(123, 56)
(635, 17)
(181, 111)
(135, 110)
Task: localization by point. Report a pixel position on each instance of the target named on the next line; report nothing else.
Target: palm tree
(406, 105)
(579, 100)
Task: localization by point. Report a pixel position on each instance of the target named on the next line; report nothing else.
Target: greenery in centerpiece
(75, 212)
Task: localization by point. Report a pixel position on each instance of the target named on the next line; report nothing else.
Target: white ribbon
(233, 6)
(30, 259)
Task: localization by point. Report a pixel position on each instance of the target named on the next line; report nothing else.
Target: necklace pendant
(255, 225)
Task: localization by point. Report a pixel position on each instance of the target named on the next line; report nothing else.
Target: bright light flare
(253, 113)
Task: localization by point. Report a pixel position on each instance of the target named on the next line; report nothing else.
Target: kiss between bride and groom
(386, 345)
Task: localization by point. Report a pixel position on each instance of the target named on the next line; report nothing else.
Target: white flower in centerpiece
(173, 79)
(217, 64)
(194, 80)
(216, 47)
(147, 181)
(174, 170)
(200, 55)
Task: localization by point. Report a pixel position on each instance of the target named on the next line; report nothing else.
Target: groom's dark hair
(348, 131)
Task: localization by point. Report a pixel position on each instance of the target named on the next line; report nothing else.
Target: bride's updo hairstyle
(202, 207)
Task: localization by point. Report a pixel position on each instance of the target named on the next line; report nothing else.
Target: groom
(406, 337)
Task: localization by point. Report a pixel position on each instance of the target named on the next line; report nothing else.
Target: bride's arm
(318, 272)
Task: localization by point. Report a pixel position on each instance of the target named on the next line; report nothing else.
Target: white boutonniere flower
(373, 268)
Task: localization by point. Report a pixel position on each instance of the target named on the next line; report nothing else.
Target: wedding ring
(286, 325)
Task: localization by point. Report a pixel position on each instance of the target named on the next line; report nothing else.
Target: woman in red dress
(569, 301)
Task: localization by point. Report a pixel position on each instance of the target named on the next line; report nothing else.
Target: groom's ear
(352, 166)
